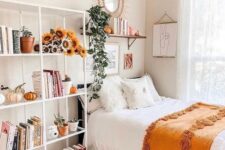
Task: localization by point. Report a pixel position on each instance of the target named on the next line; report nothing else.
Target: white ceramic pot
(73, 126)
(52, 132)
(2, 99)
(66, 86)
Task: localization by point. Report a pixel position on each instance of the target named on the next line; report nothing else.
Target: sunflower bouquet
(60, 40)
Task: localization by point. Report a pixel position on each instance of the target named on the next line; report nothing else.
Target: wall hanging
(165, 37)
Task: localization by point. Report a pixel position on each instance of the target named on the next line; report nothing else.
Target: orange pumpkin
(108, 29)
(30, 96)
(73, 90)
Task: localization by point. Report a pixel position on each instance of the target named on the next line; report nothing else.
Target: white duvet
(125, 129)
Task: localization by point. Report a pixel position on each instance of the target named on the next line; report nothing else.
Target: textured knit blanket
(191, 129)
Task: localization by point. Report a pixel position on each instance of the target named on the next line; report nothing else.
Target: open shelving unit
(62, 12)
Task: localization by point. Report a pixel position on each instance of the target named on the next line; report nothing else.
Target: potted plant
(73, 124)
(26, 41)
(67, 84)
(61, 125)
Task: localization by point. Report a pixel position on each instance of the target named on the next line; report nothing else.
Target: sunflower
(60, 33)
(71, 34)
(75, 42)
(47, 38)
(82, 51)
(70, 52)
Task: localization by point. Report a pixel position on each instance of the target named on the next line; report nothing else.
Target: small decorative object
(73, 90)
(61, 125)
(2, 98)
(60, 40)
(97, 44)
(16, 95)
(52, 132)
(108, 29)
(30, 96)
(73, 125)
(67, 84)
(112, 50)
(26, 41)
(128, 61)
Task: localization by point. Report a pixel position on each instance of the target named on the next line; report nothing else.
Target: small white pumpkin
(2, 98)
(15, 95)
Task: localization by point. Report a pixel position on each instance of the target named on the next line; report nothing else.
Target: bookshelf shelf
(71, 134)
(40, 11)
(25, 103)
(22, 103)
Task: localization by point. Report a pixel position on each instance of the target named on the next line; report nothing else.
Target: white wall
(162, 70)
(11, 72)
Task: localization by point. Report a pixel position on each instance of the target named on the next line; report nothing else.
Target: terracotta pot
(26, 44)
(63, 130)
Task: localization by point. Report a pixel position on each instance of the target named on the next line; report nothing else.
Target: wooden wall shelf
(130, 38)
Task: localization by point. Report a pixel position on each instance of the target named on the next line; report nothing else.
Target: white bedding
(125, 129)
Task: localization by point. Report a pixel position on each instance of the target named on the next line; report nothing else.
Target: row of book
(9, 40)
(120, 26)
(52, 82)
(76, 147)
(23, 136)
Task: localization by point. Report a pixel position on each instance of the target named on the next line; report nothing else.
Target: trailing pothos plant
(95, 26)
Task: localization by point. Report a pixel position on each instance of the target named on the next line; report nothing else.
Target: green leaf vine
(98, 20)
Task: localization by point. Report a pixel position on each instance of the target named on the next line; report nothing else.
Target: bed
(125, 129)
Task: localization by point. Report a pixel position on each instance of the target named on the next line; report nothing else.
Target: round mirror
(113, 7)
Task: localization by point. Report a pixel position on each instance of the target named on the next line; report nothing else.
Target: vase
(73, 126)
(26, 44)
(66, 86)
(64, 130)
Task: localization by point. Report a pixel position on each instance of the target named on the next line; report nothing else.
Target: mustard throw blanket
(191, 129)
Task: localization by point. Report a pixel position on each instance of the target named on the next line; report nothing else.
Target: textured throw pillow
(150, 86)
(92, 105)
(111, 95)
(137, 94)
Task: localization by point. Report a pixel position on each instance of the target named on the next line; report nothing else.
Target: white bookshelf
(62, 12)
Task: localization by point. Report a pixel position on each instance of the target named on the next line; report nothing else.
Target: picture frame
(113, 51)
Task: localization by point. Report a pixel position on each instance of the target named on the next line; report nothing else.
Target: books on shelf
(23, 136)
(9, 40)
(120, 26)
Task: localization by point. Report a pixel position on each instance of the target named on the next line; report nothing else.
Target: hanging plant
(95, 26)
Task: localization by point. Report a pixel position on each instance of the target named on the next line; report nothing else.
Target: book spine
(115, 25)
(9, 40)
(15, 142)
(16, 41)
(1, 44)
(46, 84)
(31, 143)
(4, 40)
(11, 135)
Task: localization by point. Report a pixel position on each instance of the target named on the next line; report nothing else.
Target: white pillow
(92, 105)
(137, 94)
(111, 95)
(150, 86)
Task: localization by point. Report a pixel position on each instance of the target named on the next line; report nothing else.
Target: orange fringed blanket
(191, 129)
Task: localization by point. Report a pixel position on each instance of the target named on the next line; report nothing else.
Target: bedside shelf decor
(41, 96)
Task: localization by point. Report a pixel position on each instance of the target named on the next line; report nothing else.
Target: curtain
(201, 55)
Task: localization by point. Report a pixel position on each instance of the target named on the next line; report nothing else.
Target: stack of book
(79, 147)
(21, 137)
(120, 26)
(53, 84)
(9, 40)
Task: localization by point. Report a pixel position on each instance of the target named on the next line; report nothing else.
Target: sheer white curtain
(201, 55)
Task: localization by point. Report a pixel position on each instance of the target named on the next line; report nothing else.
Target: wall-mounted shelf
(130, 38)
